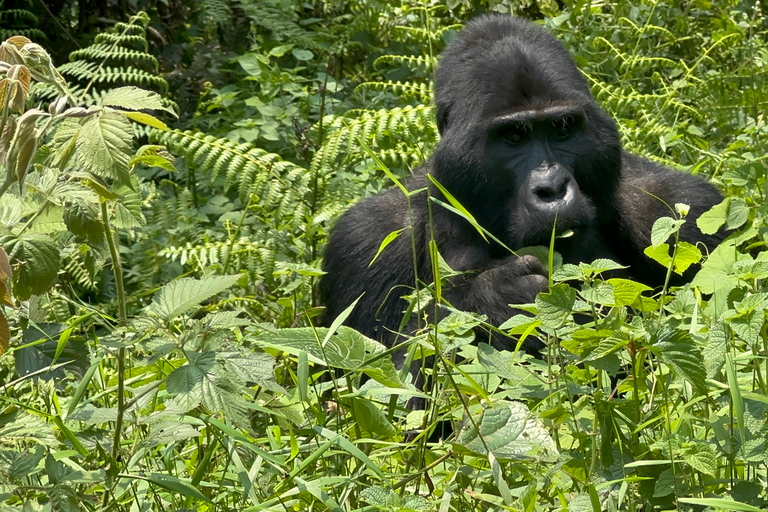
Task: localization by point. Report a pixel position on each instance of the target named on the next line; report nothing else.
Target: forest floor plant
(159, 346)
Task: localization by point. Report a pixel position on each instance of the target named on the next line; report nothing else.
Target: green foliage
(194, 375)
(118, 57)
(19, 21)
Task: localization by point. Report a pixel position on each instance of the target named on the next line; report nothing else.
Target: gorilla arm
(350, 275)
(647, 191)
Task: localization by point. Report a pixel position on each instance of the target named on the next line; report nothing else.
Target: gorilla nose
(551, 188)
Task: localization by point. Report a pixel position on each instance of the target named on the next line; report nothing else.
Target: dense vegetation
(166, 189)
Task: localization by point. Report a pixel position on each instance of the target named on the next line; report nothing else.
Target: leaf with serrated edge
(510, 432)
(133, 98)
(40, 255)
(105, 145)
(678, 351)
(347, 349)
(183, 294)
(141, 117)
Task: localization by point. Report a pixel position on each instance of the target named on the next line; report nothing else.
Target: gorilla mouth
(568, 228)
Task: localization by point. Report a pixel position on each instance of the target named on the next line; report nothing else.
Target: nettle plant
(68, 176)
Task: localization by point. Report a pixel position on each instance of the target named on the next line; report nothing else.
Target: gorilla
(525, 149)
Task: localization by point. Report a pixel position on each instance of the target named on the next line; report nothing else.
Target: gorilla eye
(565, 126)
(514, 133)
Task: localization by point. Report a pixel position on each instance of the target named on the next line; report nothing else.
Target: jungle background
(170, 173)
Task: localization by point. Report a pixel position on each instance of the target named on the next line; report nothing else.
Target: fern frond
(421, 62)
(78, 271)
(19, 16)
(125, 39)
(35, 34)
(418, 91)
(115, 53)
(257, 257)
(424, 35)
(409, 124)
(217, 12)
(271, 183)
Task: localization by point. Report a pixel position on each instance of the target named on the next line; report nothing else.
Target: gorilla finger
(532, 265)
(532, 284)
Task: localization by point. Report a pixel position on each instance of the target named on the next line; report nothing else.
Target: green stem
(236, 235)
(117, 266)
(122, 319)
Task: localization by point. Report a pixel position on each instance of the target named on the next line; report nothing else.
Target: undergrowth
(160, 346)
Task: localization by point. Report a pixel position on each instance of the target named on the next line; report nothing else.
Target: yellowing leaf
(141, 117)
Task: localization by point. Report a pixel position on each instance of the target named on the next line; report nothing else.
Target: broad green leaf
(183, 294)
(599, 265)
(347, 349)
(663, 228)
(715, 349)
(128, 212)
(748, 325)
(606, 347)
(251, 63)
(556, 305)
(83, 218)
(721, 504)
(738, 213)
(505, 365)
(585, 340)
(519, 323)
(568, 272)
(686, 256)
(371, 419)
(141, 117)
(714, 218)
(302, 54)
(105, 145)
(598, 293)
(279, 51)
(626, 292)
(701, 457)
(665, 484)
(37, 257)
(249, 366)
(25, 462)
(498, 478)
(716, 271)
(510, 432)
(153, 160)
(133, 98)
(677, 350)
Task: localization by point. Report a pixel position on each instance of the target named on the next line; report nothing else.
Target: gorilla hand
(515, 280)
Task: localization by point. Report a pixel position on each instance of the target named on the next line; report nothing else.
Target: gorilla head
(518, 121)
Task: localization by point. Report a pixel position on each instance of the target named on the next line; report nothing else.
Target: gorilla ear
(442, 117)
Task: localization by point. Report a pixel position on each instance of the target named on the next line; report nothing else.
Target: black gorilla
(523, 143)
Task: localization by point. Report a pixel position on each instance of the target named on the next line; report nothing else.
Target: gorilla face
(521, 130)
(533, 154)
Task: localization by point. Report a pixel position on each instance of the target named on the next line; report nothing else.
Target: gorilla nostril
(550, 187)
(549, 193)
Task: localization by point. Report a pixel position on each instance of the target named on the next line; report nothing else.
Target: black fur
(522, 137)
